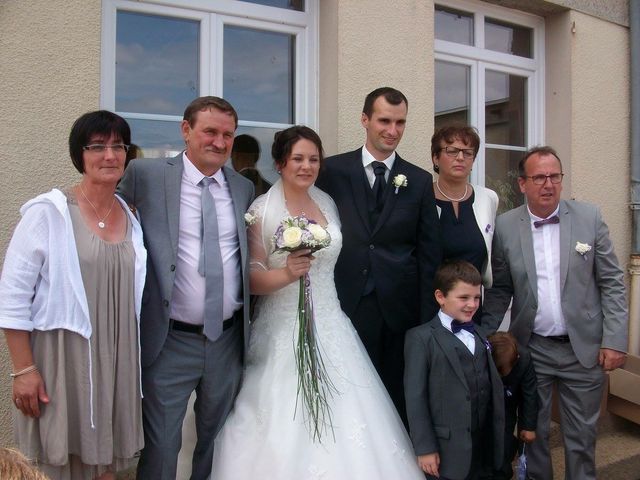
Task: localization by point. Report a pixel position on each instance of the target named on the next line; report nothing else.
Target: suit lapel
(565, 242)
(447, 342)
(526, 244)
(358, 187)
(389, 194)
(238, 207)
(172, 181)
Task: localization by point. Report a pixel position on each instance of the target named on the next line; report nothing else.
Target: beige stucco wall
(600, 122)
(50, 64)
(382, 42)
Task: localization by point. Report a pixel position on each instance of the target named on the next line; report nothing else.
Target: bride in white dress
(269, 434)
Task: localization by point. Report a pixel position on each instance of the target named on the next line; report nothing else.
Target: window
(260, 55)
(489, 74)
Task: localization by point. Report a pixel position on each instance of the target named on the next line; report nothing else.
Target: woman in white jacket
(467, 212)
(70, 296)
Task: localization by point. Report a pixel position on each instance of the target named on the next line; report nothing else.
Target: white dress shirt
(465, 337)
(368, 159)
(549, 320)
(187, 301)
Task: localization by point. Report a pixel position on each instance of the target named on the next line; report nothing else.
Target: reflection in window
(505, 109)
(451, 93)
(156, 139)
(264, 137)
(501, 176)
(156, 73)
(259, 74)
(453, 25)
(507, 38)
(288, 4)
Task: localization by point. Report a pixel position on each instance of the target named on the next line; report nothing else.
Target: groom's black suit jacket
(402, 250)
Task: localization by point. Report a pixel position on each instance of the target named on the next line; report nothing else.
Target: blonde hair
(15, 466)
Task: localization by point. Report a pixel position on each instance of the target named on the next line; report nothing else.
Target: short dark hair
(284, 141)
(449, 133)
(540, 150)
(454, 271)
(247, 144)
(391, 95)
(504, 350)
(201, 104)
(100, 122)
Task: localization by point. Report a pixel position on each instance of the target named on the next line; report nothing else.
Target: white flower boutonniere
(582, 249)
(249, 219)
(400, 181)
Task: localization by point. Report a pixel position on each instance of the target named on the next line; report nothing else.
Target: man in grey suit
(194, 320)
(555, 259)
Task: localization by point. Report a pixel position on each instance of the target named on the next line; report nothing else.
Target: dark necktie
(547, 221)
(457, 325)
(210, 265)
(379, 169)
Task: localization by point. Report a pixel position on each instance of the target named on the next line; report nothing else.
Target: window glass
(453, 25)
(264, 139)
(289, 4)
(156, 73)
(259, 74)
(451, 93)
(505, 109)
(156, 139)
(507, 38)
(501, 176)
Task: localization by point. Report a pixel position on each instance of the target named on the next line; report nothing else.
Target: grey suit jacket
(438, 404)
(592, 287)
(152, 185)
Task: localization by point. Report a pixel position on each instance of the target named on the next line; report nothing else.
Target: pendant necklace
(466, 189)
(101, 223)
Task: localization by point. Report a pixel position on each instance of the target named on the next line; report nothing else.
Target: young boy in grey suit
(453, 390)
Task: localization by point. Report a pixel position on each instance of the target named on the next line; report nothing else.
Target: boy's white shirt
(465, 337)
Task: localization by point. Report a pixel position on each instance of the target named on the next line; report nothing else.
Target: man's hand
(430, 463)
(611, 359)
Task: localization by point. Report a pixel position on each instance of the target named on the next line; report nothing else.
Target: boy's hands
(430, 463)
(527, 436)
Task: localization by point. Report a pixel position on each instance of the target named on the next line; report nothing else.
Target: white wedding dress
(262, 439)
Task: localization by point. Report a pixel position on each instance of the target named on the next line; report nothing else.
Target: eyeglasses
(542, 179)
(467, 153)
(101, 148)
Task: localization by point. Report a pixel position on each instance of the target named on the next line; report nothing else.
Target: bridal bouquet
(314, 384)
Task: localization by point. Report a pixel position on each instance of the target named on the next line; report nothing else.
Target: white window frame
(213, 15)
(480, 59)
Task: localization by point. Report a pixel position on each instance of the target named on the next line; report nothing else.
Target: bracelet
(24, 371)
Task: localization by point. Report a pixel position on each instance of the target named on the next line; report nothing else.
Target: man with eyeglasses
(555, 259)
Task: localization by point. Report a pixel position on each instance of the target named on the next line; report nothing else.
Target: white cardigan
(485, 206)
(41, 285)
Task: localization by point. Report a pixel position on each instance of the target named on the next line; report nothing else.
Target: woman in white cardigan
(467, 212)
(70, 296)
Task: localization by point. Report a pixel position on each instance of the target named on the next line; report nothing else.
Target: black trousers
(385, 348)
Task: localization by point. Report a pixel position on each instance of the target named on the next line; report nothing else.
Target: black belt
(199, 329)
(558, 338)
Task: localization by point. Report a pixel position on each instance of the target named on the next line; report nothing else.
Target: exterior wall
(600, 123)
(50, 59)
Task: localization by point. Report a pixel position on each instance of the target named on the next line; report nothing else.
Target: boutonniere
(249, 218)
(582, 249)
(487, 344)
(400, 180)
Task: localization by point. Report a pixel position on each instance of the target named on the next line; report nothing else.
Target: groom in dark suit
(194, 324)
(555, 259)
(391, 237)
